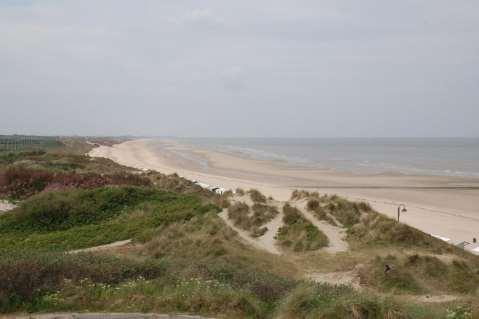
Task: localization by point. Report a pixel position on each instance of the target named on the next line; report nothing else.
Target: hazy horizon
(312, 69)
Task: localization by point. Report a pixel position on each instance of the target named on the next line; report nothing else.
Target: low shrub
(19, 182)
(239, 213)
(312, 204)
(27, 275)
(310, 300)
(398, 279)
(77, 219)
(346, 212)
(377, 229)
(66, 209)
(240, 192)
(301, 194)
(256, 196)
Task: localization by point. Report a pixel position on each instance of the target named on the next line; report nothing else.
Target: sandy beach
(439, 205)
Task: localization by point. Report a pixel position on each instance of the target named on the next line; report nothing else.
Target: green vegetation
(81, 218)
(346, 212)
(298, 233)
(302, 194)
(16, 143)
(27, 276)
(184, 258)
(310, 301)
(419, 274)
(314, 206)
(367, 228)
(377, 229)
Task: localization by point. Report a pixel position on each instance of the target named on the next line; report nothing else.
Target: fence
(19, 143)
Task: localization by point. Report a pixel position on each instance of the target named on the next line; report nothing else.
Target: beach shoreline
(440, 205)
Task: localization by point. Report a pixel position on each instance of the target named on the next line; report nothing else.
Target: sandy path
(102, 247)
(6, 206)
(436, 205)
(337, 278)
(265, 242)
(335, 234)
(434, 299)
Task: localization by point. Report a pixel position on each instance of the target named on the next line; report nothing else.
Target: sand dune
(445, 206)
(335, 234)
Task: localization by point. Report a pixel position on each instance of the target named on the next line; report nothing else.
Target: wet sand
(445, 206)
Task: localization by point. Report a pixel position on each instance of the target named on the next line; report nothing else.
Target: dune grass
(375, 229)
(416, 274)
(310, 301)
(27, 276)
(252, 219)
(205, 269)
(298, 233)
(256, 196)
(314, 206)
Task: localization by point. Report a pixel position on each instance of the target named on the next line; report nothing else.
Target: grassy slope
(186, 259)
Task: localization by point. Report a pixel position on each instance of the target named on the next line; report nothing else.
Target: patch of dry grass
(298, 233)
(252, 219)
(256, 196)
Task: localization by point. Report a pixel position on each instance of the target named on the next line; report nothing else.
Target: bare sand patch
(6, 206)
(116, 244)
(265, 242)
(349, 278)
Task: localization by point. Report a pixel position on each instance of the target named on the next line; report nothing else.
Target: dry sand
(6, 206)
(101, 248)
(445, 206)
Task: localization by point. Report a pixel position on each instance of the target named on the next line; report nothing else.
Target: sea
(410, 156)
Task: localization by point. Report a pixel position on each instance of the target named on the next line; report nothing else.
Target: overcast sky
(240, 68)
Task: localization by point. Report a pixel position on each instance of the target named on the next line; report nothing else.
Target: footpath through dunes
(107, 247)
(335, 234)
(263, 243)
(349, 278)
(267, 240)
(242, 217)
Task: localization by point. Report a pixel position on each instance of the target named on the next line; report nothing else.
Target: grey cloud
(243, 68)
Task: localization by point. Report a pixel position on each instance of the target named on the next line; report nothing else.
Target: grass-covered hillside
(181, 255)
